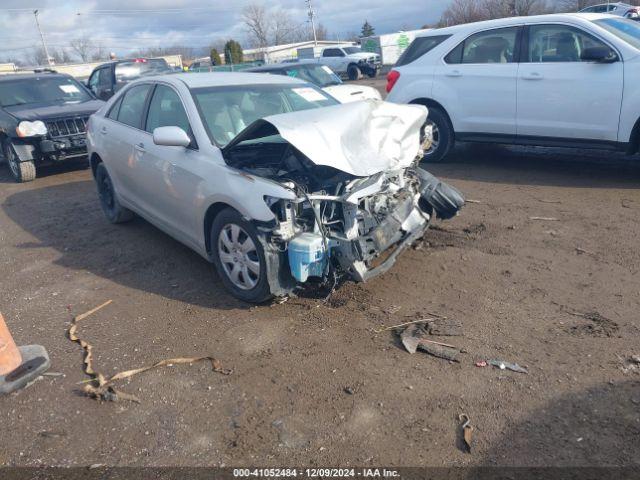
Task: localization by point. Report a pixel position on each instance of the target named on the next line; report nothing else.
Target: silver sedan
(268, 177)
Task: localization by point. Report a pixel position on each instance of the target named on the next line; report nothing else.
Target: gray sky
(196, 23)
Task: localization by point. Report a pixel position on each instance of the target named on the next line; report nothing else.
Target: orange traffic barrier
(10, 357)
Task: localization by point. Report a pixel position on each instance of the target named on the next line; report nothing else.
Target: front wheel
(21, 171)
(353, 73)
(111, 207)
(239, 257)
(443, 136)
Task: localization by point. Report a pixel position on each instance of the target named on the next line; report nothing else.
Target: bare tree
(574, 5)
(463, 11)
(99, 53)
(83, 47)
(258, 24)
(284, 29)
(321, 32)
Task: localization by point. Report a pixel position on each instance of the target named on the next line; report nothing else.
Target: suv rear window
(126, 71)
(419, 47)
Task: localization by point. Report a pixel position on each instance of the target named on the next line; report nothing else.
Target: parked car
(42, 120)
(618, 8)
(108, 78)
(323, 77)
(268, 177)
(553, 80)
(351, 62)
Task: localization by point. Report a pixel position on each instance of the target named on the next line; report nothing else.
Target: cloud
(123, 26)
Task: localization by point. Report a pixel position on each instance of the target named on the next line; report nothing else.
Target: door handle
(139, 147)
(532, 76)
(453, 73)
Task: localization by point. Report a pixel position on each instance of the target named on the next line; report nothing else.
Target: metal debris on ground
(502, 365)
(413, 338)
(467, 430)
(546, 219)
(392, 327)
(99, 386)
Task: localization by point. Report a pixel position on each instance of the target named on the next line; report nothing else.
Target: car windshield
(350, 50)
(319, 75)
(226, 111)
(141, 67)
(45, 89)
(625, 29)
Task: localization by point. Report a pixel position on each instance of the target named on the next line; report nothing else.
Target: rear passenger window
(491, 46)
(113, 112)
(419, 47)
(132, 105)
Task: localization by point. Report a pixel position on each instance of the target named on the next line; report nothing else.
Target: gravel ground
(312, 381)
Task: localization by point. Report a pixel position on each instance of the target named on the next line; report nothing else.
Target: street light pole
(312, 15)
(44, 44)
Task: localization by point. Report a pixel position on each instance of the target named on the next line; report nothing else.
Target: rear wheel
(353, 72)
(112, 209)
(239, 257)
(21, 171)
(443, 136)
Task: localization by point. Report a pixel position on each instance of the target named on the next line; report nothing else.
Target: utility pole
(312, 15)
(44, 44)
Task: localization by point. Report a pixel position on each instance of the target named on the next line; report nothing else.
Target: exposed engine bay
(340, 224)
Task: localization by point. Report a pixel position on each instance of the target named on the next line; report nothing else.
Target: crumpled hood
(360, 138)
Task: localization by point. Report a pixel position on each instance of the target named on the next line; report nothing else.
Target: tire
(111, 207)
(353, 72)
(21, 171)
(372, 73)
(239, 257)
(443, 136)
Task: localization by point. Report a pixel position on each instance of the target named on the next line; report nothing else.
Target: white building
(289, 51)
(391, 45)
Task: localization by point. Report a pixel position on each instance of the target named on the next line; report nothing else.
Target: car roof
(221, 79)
(18, 76)
(505, 22)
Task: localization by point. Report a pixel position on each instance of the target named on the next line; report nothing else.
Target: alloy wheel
(239, 256)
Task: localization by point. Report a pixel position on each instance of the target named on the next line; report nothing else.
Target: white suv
(552, 80)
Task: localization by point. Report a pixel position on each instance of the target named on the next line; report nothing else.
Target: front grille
(66, 127)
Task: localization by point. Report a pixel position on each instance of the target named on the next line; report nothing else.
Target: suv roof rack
(44, 70)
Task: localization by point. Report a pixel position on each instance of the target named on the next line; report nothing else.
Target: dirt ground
(312, 382)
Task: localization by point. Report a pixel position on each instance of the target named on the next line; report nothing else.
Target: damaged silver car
(268, 177)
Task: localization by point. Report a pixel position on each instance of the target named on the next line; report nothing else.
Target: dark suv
(42, 119)
(108, 78)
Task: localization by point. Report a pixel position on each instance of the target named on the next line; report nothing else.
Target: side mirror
(171, 137)
(600, 54)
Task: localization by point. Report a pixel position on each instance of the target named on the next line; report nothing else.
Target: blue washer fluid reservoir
(307, 256)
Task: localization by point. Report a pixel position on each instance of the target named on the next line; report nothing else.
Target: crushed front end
(356, 197)
(359, 229)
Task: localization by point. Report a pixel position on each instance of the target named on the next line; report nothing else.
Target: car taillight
(140, 60)
(392, 78)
